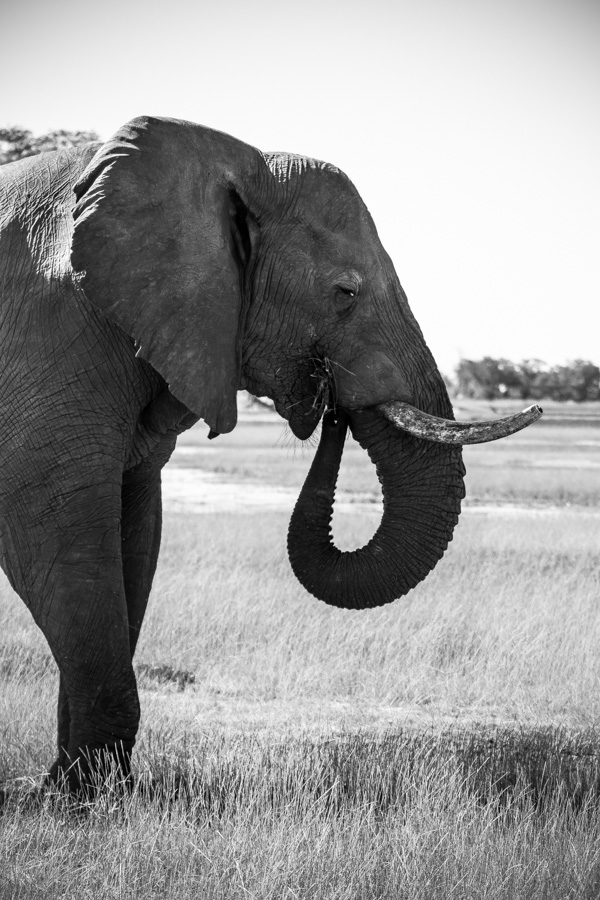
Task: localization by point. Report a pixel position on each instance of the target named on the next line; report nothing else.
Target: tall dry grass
(355, 818)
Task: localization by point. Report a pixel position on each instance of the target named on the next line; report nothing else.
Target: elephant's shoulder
(36, 202)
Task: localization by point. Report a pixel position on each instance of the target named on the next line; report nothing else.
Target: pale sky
(470, 127)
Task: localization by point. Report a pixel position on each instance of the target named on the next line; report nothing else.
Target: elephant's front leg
(140, 543)
(67, 565)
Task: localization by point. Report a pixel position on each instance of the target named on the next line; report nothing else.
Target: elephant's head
(234, 269)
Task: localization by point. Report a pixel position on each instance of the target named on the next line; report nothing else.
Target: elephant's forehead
(334, 240)
(331, 209)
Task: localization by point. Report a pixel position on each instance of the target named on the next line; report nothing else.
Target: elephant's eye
(345, 295)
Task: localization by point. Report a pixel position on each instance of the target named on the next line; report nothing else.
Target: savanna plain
(444, 746)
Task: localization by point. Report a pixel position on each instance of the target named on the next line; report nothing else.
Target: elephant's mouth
(302, 421)
(419, 464)
(316, 387)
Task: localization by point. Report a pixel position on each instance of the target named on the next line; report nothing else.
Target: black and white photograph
(300, 450)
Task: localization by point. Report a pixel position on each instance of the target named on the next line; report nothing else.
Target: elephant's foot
(91, 770)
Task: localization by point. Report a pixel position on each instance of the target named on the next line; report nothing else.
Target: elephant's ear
(162, 237)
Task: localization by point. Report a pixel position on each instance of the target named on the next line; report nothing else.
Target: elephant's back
(36, 201)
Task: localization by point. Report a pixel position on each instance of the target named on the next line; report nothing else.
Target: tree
(546, 385)
(17, 143)
(583, 380)
(528, 371)
(483, 379)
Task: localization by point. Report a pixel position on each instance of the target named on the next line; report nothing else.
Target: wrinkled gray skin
(144, 282)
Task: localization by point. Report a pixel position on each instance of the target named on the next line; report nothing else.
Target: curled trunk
(422, 485)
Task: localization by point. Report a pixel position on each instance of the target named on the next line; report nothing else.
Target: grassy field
(444, 746)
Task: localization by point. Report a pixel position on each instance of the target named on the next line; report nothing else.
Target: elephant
(145, 281)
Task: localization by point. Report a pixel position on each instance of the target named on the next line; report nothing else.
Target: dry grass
(444, 746)
(400, 816)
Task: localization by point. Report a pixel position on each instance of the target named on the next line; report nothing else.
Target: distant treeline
(17, 143)
(531, 379)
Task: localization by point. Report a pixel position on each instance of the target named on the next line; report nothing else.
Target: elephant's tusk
(447, 431)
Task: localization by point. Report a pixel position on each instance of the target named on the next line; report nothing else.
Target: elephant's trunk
(422, 484)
